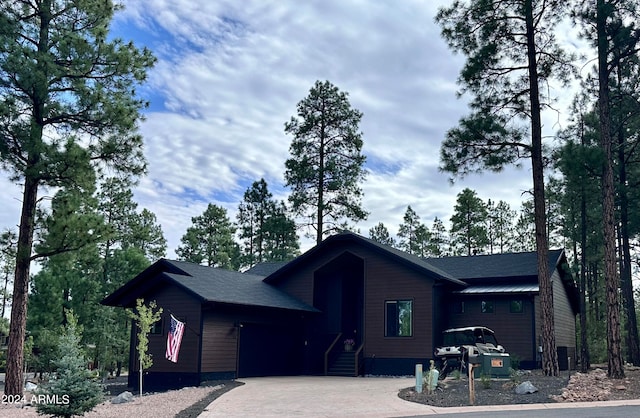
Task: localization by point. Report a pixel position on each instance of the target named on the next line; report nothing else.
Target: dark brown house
(293, 318)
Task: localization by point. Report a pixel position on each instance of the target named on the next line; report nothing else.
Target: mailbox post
(472, 364)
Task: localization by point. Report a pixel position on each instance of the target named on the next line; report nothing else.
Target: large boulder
(526, 387)
(124, 397)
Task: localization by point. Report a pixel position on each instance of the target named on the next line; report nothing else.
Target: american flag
(173, 339)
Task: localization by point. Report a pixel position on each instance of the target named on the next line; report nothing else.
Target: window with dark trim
(487, 306)
(156, 328)
(516, 306)
(398, 318)
(458, 307)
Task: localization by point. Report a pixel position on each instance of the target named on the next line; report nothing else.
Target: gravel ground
(183, 403)
(568, 387)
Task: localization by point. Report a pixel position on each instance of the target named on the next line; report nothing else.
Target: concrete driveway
(316, 396)
(325, 396)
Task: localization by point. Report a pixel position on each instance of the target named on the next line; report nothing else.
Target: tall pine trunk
(585, 358)
(615, 364)
(321, 180)
(17, 330)
(549, 353)
(632, 338)
(628, 302)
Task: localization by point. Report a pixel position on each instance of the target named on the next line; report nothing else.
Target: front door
(338, 292)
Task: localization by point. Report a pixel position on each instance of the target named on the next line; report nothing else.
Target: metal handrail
(357, 365)
(326, 353)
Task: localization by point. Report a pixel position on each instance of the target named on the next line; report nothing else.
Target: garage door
(269, 350)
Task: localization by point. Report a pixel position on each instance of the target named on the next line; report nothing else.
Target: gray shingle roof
(219, 285)
(494, 266)
(266, 268)
(208, 284)
(478, 273)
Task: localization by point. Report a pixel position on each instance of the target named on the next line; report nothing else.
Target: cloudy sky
(230, 73)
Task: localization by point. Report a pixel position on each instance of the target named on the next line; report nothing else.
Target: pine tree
(500, 226)
(253, 212)
(380, 233)
(68, 105)
(468, 224)
(511, 51)
(71, 392)
(326, 165)
(8, 244)
(280, 238)
(525, 228)
(439, 239)
(423, 241)
(267, 232)
(408, 232)
(209, 241)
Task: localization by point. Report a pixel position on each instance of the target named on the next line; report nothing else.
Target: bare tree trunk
(549, 351)
(585, 358)
(321, 179)
(615, 363)
(4, 294)
(17, 330)
(628, 302)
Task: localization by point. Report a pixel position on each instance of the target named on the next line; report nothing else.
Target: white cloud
(230, 74)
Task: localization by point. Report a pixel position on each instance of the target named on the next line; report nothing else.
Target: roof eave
(309, 309)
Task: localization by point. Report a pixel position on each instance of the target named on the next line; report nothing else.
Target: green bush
(515, 361)
(485, 380)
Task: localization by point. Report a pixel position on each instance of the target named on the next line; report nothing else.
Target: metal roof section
(503, 288)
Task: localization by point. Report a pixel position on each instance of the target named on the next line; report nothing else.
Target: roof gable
(402, 257)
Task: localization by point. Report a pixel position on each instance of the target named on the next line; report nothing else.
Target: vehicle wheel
(464, 361)
(443, 368)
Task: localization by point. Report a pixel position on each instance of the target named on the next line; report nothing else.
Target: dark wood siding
(219, 342)
(514, 331)
(384, 279)
(565, 323)
(252, 338)
(186, 308)
(300, 283)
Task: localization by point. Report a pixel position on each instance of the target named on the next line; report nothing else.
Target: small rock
(621, 387)
(526, 387)
(124, 397)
